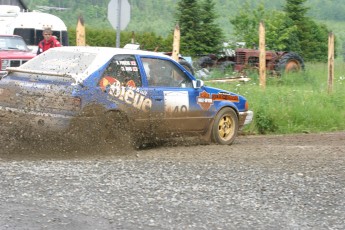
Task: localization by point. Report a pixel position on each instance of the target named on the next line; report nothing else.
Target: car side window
(124, 70)
(162, 72)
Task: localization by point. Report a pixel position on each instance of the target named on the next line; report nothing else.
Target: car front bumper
(245, 118)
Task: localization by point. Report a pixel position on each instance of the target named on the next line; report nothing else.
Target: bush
(107, 38)
(264, 123)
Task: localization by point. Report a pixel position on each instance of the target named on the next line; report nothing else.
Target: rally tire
(225, 127)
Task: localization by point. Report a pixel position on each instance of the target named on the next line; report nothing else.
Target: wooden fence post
(80, 36)
(262, 57)
(176, 43)
(330, 62)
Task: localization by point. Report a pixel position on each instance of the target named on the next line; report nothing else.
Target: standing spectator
(48, 42)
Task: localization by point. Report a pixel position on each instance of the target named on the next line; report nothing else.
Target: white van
(30, 25)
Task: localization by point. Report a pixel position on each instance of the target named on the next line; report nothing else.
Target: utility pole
(119, 13)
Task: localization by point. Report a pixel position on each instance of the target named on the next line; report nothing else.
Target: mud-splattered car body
(118, 90)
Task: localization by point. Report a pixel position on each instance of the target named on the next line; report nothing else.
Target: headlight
(4, 64)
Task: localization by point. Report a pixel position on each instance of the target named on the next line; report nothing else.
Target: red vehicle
(242, 59)
(13, 52)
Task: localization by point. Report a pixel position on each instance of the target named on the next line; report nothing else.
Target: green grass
(295, 103)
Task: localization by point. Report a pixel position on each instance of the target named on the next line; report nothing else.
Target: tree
(311, 37)
(199, 32)
(246, 24)
(189, 21)
(213, 36)
(278, 32)
(314, 41)
(288, 30)
(296, 11)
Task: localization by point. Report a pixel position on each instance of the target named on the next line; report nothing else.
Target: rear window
(62, 62)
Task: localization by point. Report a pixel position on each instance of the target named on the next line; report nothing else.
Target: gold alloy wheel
(226, 128)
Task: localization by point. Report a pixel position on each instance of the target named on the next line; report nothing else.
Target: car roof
(101, 56)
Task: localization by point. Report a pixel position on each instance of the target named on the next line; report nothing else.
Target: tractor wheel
(227, 66)
(187, 66)
(290, 62)
(205, 62)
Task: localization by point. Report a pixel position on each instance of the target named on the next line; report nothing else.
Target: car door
(175, 105)
(122, 83)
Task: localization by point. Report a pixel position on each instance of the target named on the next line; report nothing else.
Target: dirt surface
(262, 182)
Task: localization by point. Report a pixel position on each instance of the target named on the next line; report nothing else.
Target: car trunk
(33, 93)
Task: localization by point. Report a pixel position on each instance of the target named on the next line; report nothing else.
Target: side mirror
(198, 83)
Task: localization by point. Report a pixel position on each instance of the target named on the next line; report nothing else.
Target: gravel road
(260, 182)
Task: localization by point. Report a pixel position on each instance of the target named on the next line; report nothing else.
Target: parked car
(13, 52)
(110, 93)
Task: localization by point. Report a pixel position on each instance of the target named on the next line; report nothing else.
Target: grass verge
(294, 103)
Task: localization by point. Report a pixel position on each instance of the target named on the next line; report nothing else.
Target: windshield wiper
(12, 48)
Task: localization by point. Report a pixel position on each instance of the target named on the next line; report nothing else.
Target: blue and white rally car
(145, 94)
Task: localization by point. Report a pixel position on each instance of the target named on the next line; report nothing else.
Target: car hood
(16, 54)
(214, 90)
(226, 97)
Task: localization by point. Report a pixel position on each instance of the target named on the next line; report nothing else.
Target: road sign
(119, 11)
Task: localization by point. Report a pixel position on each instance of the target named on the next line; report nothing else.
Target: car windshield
(62, 62)
(12, 43)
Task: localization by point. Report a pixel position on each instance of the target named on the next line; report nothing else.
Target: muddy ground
(261, 182)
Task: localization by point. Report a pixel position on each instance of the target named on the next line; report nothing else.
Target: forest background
(158, 16)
